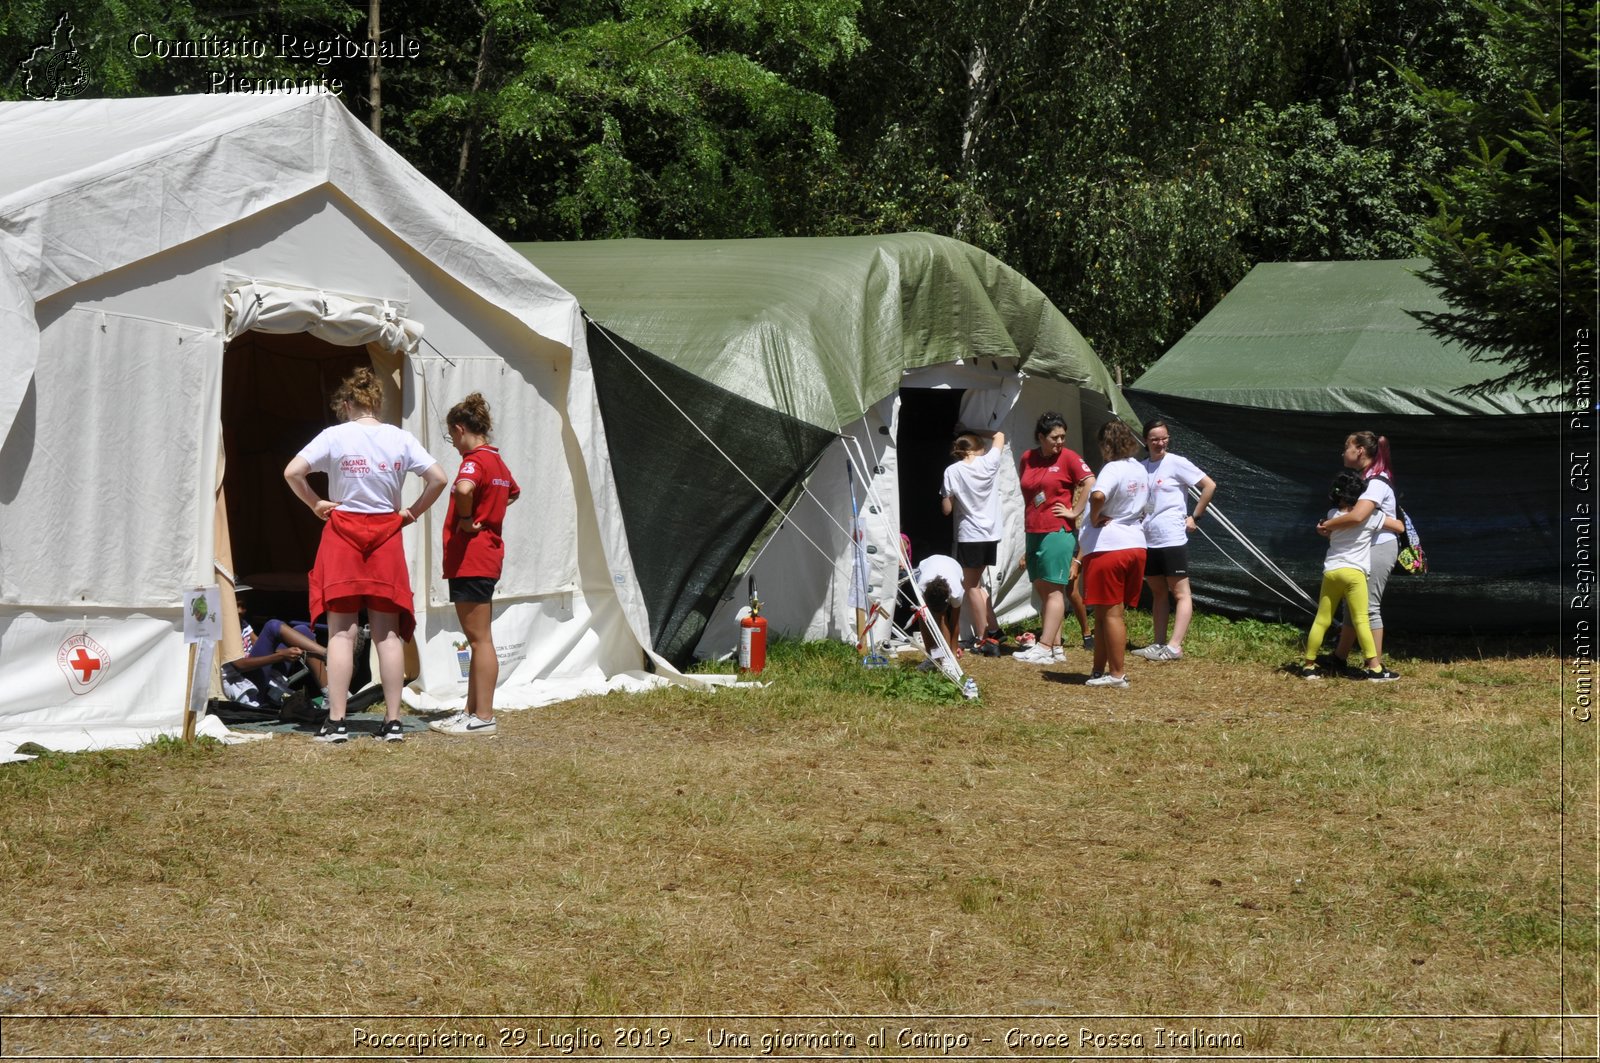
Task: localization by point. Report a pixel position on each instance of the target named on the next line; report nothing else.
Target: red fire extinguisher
(753, 636)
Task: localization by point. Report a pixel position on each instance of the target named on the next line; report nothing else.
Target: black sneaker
(333, 731)
(1349, 671)
(1309, 671)
(989, 647)
(1380, 675)
(390, 731)
(1088, 642)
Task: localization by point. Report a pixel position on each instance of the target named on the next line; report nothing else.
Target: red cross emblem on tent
(84, 662)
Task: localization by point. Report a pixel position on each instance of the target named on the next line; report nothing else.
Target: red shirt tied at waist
(481, 552)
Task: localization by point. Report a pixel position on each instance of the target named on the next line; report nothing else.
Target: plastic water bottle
(969, 688)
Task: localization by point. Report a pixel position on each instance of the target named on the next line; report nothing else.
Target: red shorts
(1113, 578)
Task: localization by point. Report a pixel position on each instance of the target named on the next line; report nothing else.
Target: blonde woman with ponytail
(361, 562)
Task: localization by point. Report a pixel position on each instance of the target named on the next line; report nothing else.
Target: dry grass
(1219, 840)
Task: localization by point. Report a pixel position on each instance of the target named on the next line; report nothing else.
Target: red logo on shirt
(84, 662)
(354, 465)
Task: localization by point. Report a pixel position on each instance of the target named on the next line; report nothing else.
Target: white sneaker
(463, 725)
(1117, 681)
(1152, 652)
(1039, 654)
(1170, 654)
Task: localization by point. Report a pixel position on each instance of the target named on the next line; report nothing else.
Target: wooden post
(188, 692)
(375, 68)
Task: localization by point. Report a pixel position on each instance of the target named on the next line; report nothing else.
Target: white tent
(181, 282)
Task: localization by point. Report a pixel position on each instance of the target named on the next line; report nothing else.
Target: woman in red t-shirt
(1055, 488)
(474, 555)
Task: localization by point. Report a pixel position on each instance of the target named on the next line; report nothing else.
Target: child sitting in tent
(271, 659)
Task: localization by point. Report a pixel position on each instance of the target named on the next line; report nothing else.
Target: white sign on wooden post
(202, 627)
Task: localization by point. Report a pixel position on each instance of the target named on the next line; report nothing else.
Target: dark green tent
(1262, 393)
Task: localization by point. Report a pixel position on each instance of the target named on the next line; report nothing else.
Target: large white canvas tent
(182, 282)
(870, 346)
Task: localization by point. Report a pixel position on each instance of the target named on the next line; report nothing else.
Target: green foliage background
(1133, 157)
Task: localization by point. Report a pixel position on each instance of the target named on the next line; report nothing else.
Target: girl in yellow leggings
(1344, 573)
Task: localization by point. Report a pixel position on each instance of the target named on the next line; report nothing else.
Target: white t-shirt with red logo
(366, 464)
(1126, 486)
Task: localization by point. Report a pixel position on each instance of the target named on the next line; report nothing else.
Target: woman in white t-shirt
(1368, 454)
(1113, 549)
(1344, 571)
(361, 562)
(1166, 566)
(971, 495)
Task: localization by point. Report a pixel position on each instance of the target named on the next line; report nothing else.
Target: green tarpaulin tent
(886, 340)
(1262, 393)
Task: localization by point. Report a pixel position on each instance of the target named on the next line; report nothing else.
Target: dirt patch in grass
(1219, 839)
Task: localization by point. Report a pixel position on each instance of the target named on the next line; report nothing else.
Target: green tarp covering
(688, 514)
(821, 328)
(1264, 391)
(1329, 337)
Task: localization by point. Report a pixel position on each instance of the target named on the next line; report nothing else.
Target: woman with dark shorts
(970, 495)
(1055, 486)
(474, 555)
(1113, 548)
(1166, 564)
(361, 562)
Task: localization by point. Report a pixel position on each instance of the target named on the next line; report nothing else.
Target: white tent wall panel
(526, 393)
(136, 663)
(105, 482)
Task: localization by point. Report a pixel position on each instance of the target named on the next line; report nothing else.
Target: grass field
(1320, 869)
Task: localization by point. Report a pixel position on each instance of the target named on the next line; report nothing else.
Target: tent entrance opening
(927, 422)
(276, 391)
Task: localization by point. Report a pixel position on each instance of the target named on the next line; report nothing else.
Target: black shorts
(977, 555)
(1169, 561)
(471, 589)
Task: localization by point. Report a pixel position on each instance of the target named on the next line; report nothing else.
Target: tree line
(1134, 158)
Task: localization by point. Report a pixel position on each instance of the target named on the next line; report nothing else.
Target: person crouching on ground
(1113, 549)
(1344, 570)
(361, 562)
(936, 578)
(971, 494)
(475, 554)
